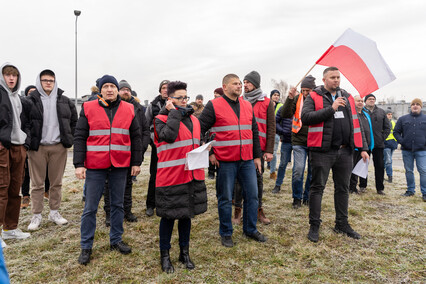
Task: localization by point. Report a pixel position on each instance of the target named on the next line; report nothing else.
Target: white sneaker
(3, 244)
(14, 234)
(57, 218)
(35, 222)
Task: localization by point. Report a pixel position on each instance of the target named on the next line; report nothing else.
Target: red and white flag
(358, 58)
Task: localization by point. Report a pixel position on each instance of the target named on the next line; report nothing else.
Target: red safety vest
(108, 144)
(172, 156)
(234, 137)
(316, 131)
(260, 110)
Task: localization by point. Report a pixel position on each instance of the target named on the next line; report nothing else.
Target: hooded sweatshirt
(17, 136)
(50, 134)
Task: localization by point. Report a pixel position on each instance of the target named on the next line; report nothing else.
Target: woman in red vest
(179, 193)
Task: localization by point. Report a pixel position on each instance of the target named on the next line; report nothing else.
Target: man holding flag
(334, 132)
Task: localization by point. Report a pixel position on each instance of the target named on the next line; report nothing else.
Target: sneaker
(313, 234)
(273, 176)
(57, 218)
(14, 234)
(276, 189)
(347, 230)
(408, 193)
(227, 241)
(257, 236)
(121, 247)
(25, 202)
(35, 222)
(3, 244)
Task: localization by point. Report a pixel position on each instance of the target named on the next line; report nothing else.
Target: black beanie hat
(107, 79)
(254, 78)
(367, 96)
(308, 82)
(28, 88)
(164, 82)
(273, 92)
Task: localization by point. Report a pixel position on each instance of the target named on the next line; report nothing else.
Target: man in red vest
(264, 113)
(107, 142)
(334, 132)
(236, 153)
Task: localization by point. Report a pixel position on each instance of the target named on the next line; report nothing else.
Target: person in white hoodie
(53, 118)
(13, 144)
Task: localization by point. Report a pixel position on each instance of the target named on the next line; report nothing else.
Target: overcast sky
(199, 42)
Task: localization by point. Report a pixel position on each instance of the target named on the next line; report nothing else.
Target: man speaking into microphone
(334, 133)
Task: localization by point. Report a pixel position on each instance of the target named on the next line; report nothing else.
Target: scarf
(254, 96)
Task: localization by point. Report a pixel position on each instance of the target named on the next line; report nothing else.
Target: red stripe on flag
(352, 66)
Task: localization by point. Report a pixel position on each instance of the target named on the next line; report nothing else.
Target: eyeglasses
(181, 98)
(48, 81)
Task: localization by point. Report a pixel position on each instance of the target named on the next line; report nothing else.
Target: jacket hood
(3, 82)
(40, 88)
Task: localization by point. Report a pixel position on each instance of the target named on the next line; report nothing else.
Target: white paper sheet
(198, 158)
(361, 168)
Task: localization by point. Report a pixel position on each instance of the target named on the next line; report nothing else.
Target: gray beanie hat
(254, 78)
(164, 82)
(308, 82)
(124, 84)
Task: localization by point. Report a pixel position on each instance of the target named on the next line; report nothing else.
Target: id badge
(339, 114)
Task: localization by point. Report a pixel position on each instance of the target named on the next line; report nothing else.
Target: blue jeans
(245, 172)
(95, 181)
(273, 163)
(285, 158)
(408, 157)
(387, 154)
(300, 154)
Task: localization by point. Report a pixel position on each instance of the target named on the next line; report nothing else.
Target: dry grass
(392, 248)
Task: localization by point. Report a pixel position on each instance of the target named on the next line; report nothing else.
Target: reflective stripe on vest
(108, 144)
(315, 132)
(260, 110)
(172, 156)
(234, 136)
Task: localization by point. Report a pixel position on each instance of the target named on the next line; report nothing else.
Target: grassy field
(392, 248)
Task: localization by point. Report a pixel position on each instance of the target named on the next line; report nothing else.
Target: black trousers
(379, 168)
(127, 204)
(238, 192)
(354, 178)
(340, 162)
(212, 168)
(150, 197)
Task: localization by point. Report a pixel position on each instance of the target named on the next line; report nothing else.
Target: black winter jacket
(380, 124)
(182, 200)
(82, 133)
(326, 115)
(67, 117)
(6, 119)
(143, 124)
(283, 127)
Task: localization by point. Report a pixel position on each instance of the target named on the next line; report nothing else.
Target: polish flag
(358, 58)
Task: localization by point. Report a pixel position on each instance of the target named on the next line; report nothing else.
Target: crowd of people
(324, 126)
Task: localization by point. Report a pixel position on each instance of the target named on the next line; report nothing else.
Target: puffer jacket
(182, 200)
(326, 115)
(67, 117)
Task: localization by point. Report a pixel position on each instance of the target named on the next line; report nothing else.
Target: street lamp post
(76, 13)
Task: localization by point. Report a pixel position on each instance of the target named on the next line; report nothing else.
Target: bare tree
(281, 86)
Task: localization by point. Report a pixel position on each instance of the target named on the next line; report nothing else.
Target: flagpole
(305, 75)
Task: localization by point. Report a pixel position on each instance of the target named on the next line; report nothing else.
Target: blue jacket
(283, 127)
(410, 132)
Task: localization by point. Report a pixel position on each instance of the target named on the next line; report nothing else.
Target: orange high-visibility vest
(172, 156)
(260, 110)
(315, 132)
(297, 117)
(234, 136)
(108, 144)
